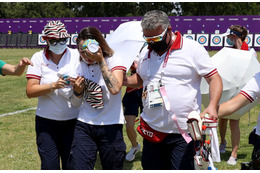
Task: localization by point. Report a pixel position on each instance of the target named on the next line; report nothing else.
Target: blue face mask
(58, 48)
(231, 43)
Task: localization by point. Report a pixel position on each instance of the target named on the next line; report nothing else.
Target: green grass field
(18, 149)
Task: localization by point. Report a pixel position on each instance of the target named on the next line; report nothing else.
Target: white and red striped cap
(55, 29)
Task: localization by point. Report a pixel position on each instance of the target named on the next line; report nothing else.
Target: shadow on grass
(130, 165)
(127, 165)
(225, 156)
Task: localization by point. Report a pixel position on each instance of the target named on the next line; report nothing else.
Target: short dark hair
(240, 29)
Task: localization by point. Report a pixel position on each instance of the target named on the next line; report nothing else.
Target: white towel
(215, 145)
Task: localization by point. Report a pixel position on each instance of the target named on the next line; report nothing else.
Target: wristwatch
(77, 94)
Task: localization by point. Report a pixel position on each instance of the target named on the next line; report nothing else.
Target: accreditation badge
(155, 98)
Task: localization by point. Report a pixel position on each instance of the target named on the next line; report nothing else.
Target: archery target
(73, 39)
(203, 39)
(41, 41)
(226, 44)
(68, 41)
(257, 40)
(189, 36)
(249, 39)
(216, 40)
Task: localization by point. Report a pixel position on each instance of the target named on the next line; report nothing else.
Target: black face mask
(160, 46)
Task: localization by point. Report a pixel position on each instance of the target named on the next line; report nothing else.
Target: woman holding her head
(55, 115)
(236, 36)
(98, 93)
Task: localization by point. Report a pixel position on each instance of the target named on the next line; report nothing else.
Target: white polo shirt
(252, 90)
(112, 112)
(188, 62)
(53, 105)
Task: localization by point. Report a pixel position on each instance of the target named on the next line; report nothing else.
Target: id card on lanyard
(155, 98)
(154, 95)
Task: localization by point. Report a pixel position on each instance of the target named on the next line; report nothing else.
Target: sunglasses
(155, 38)
(54, 42)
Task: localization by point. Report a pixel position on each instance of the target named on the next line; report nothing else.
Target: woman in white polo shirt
(100, 121)
(55, 115)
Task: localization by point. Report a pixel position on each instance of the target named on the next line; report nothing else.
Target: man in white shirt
(170, 71)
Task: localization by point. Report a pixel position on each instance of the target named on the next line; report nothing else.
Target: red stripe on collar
(46, 50)
(178, 41)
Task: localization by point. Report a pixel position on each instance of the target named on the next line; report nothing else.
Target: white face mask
(58, 49)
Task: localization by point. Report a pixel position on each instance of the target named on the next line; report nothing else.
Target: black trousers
(54, 139)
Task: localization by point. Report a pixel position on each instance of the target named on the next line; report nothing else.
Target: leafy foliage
(123, 9)
(219, 8)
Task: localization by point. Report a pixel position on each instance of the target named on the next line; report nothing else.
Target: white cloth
(112, 112)
(54, 105)
(215, 145)
(252, 91)
(182, 76)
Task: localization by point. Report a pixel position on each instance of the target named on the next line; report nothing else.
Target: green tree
(104, 9)
(3, 6)
(219, 8)
(167, 7)
(36, 10)
(123, 9)
(59, 9)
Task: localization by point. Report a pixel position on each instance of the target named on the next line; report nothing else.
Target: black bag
(254, 139)
(256, 159)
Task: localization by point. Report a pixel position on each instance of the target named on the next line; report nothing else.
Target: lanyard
(164, 62)
(167, 105)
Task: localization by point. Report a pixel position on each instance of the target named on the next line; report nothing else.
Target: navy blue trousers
(89, 139)
(132, 102)
(54, 139)
(173, 153)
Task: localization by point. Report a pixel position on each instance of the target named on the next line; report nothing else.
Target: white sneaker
(131, 155)
(232, 160)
